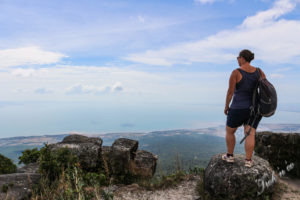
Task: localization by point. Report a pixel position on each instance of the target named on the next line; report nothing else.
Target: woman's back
(242, 98)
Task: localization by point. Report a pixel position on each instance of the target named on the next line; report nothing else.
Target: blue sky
(142, 56)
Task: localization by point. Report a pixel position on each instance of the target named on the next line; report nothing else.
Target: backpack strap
(252, 108)
(259, 73)
(240, 70)
(254, 95)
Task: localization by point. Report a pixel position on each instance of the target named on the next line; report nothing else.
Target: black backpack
(264, 97)
(264, 101)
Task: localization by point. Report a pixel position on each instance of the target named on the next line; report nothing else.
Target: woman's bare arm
(230, 91)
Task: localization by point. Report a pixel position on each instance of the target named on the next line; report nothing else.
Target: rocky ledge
(121, 159)
(224, 180)
(282, 150)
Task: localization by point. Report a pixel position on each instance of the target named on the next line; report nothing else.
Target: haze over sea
(33, 118)
(129, 65)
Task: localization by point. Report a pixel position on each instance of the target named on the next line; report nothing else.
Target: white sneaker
(248, 163)
(229, 159)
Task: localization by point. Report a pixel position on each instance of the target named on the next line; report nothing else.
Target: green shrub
(63, 177)
(29, 156)
(93, 179)
(4, 188)
(6, 165)
(196, 170)
(164, 181)
(54, 163)
(106, 195)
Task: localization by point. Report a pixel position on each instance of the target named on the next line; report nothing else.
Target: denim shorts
(238, 117)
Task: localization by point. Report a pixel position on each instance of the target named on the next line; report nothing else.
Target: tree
(6, 165)
(29, 156)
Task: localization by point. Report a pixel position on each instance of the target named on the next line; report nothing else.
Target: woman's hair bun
(247, 55)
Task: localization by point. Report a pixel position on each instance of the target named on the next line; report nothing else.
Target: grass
(62, 177)
(73, 183)
(163, 181)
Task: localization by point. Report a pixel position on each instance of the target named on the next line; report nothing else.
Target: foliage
(54, 163)
(5, 187)
(200, 188)
(29, 156)
(14, 152)
(6, 165)
(196, 170)
(163, 181)
(63, 178)
(194, 149)
(107, 195)
(92, 178)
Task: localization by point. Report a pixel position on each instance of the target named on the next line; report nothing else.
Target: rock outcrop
(120, 159)
(224, 180)
(87, 149)
(282, 150)
(29, 168)
(122, 153)
(17, 185)
(144, 164)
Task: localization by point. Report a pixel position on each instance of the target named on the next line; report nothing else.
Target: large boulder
(81, 139)
(144, 164)
(18, 186)
(123, 158)
(122, 152)
(281, 150)
(224, 180)
(87, 149)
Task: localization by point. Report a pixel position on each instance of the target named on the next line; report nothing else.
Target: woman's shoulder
(236, 72)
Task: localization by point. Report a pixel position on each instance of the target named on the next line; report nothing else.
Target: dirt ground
(185, 190)
(287, 189)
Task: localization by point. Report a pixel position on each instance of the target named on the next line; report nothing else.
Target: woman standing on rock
(241, 86)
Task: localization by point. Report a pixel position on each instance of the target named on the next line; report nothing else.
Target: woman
(241, 86)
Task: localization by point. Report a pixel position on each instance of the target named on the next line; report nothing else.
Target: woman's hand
(226, 110)
(230, 91)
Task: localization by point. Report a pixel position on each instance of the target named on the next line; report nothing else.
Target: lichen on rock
(224, 180)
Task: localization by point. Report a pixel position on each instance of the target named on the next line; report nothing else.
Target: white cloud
(204, 1)
(87, 89)
(112, 84)
(117, 87)
(210, 1)
(28, 56)
(28, 72)
(263, 18)
(43, 91)
(272, 39)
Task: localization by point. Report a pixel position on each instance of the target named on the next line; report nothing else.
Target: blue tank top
(243, 92)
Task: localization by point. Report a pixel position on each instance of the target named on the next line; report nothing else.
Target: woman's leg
(249, 142)
(230, 139)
